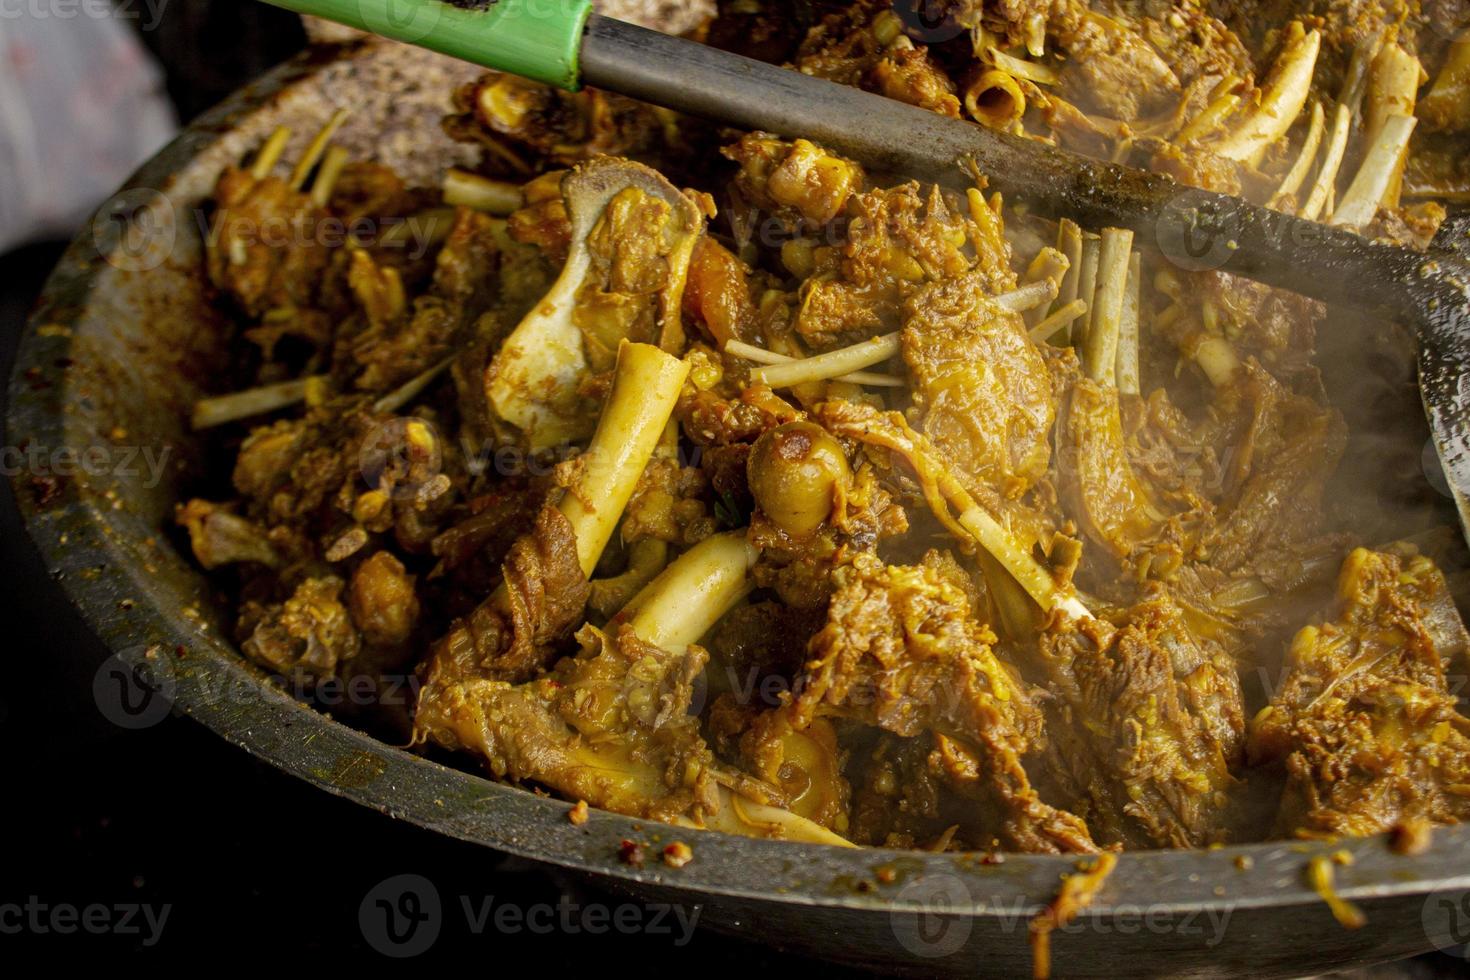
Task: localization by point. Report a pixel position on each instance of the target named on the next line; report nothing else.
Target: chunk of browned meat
(797, 182)
(719, 295)
(382, 599)
(899, 239)
(511, 635)
(900, 798)
(308, 637)
(981, 387)
(610, 726)
(259, 270)
(909, 75)
(1113, 70)
(1146, 726)
(218, 536)
(1365, 724)
(526, 127)
(288, 470)
(400, 340)
(901, 652)
(1279, 470)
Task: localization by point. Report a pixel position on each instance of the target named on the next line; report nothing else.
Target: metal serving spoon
(565, 44)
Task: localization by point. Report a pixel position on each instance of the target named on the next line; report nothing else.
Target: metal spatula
(564, 43)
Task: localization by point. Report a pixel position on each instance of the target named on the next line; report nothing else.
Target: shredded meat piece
(1114, 70)
(609, 726)
(898, 240)
(512, 635)
(401, 341)
(901, 652)
(1365, 724)
(667, 505)
(901, 800)
(1281, 467)
(1147, 727)
(288, 470)
(981, 386)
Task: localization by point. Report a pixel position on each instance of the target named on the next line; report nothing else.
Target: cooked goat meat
(901, 652)
(260, 271)
(1114, 70)
(383, 601)
(769, 32)
(542, 219)
(1280, 465)
(526, 127)
(1147, 726)
(908, 75)
(640, 263)
(669, 506)
(758, 650)
(288, 470)
(620, 410)
(847, 43)
(898, 240)
(1193, 43)
(401, 341)
(495, 520)
(609, 726)
(372, 192)
(309, 637)
(219, 537)
(799, 183)
(1365, 724)
(902, 799)
(721, 295)
(981, 387)
(512, 634)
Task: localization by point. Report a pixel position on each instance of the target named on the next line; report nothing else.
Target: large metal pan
(115, 353)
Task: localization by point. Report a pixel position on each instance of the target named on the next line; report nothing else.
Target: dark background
(251, 863)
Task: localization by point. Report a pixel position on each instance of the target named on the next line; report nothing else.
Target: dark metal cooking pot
(112, 360)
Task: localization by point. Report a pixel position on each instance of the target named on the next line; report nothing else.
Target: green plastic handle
(537, 39)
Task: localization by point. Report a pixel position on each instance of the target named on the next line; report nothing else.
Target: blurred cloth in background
(89, 91)
(81, 106)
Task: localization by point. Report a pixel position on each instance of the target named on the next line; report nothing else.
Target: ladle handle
(537, 39)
